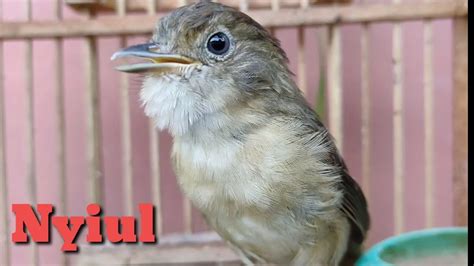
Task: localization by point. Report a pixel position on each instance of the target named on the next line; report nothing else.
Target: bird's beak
(159, 62)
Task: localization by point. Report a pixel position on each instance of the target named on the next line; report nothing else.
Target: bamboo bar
(398, 139)
(61, 120)
(460, 121)
(94, 160)
(140, 5)
(187, 216)
(302, 61)
(151, 7)
(320, 102)
(366, 99)
(61, 123)
(301, 53)
(275, 5)
(4, 211)
(334, 86)
(187, 207)
(428, 95)
(155, 158)
(311, 16)
(244, 5)
(155, 175)
(127, 167)
(30, 130)
(121, 8)
(30, 159)
(304, 3)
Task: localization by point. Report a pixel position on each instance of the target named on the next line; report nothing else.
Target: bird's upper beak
(159, 62)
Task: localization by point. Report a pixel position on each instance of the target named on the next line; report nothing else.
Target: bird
(248, 150)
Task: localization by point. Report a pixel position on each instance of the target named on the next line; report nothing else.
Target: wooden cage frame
(331, 16)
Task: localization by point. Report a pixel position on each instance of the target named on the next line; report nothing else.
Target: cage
(388, 77)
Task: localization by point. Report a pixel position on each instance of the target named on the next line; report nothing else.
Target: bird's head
(202, 59)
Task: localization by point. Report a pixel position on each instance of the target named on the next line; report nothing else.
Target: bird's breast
(261, 191)
(219, 175)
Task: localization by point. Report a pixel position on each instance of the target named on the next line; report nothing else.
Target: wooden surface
(365, 98)
(200, 249)
(460, 123)
(429, 129)
(126, 134)
(207, 254)
(139, 5)
(398, 129)
(302, 84)
(31, 176)
(94, 157)
(334, 86)
(4, 206)
(107, 26)
(62, 207)
(154, 140)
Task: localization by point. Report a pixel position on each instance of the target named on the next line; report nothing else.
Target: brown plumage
(248, 150)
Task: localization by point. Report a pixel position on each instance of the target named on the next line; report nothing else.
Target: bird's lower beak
(159, 62)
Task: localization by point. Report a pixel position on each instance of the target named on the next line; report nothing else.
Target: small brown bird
(248, 150)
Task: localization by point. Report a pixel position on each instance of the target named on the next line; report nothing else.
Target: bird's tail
(354, 250)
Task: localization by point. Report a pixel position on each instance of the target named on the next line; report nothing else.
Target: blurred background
(379, 72)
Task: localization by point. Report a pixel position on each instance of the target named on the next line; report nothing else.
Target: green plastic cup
(414, 247)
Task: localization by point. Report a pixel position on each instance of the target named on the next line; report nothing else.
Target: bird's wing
(354, 205)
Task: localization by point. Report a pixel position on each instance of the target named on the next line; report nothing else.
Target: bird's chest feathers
(219, 175)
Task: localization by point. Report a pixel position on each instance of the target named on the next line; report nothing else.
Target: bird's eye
(218, 43)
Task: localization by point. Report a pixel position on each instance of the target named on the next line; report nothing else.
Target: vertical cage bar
(94, 160)
(428, 119)
(4, 212)
(155, 157)
(30, 161)
(334, 85)
(121, 7)
(244, 5)
(155, 175)
(275, 6)
(187, 207)
(126, 131)
(460, 121)
(187, 216)
(323, 43)
(61, 122)
(365, 108)
(398, 139)
(301, 53)
(302, 61)
(151, 7)
(30, 130)
(304, 3)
